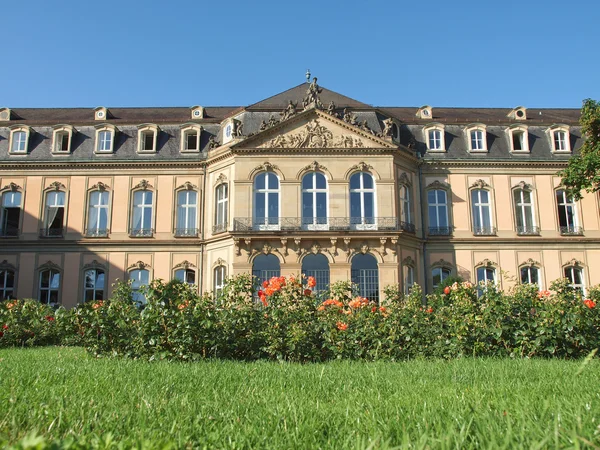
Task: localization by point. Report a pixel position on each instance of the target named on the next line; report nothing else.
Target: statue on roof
(388, 125)
(365, 127)
(289, 111)
(238, 128)
(263, 126)
(272, 122)
(350, 117)
(213, 143)
(331, 109)
(312, 95)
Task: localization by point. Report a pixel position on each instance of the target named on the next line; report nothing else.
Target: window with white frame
(405, 204)
(476, 135)
(147, 138)
(219, 274)
(434, 136)
(187, 216)
(190, 138)
(438, 275)
(362, 201)
(531, 275)
(105, 136)
(568, 219)
(187, 276)
(54, 214)
(560, 139)
(481, 210)
(519, 140)
(314, 201)
(49, 286)
(409, 278)
(437, 208)
(524, 212)
(93, 285)
(139, 278)
(221, 207)
(10, 214)
(575, 276)
(7, 284)
(141, 224)
(266, 201)
(19, 138)
(485, 275)
(97, 219)
(62, 138)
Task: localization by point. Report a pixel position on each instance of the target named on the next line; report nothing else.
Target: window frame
(221, 270)
(136, 290)
(364, 220)
(485, 268)
(94, 267)
(185, 130)
(52, 268)
(529, 268)
(438, 230)
(573, 266)
(442, 268)
(149, 231)
(264, 223)
(477, 128)
(59, 131)
(552, 132)
(526, 229)
(187, 231)
(482, 230)
(518, 128)
(569, 229)
(433, 127)
(16, 130)
(102, 189)
(45, 229)
(143, 131)
(105, 128)
(221, 211)
(314, 222)
(5, 268)
(12, 188)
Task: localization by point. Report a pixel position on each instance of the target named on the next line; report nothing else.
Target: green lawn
(63, 393)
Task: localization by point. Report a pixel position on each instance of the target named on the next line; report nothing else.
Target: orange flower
(98, 304)
(11, 305)
(311, 282)
(269, 291)
(342, 326)
(263, 299)
(543, 294)
(447, 290)
(330, 302)
(429, 310)
(307, 292)
(383, 309)
(589, 303)
(358, 302)
(183, 305)
(374, 309)
(265, 284)
(282, 281)
(346, 311)
(321, 308)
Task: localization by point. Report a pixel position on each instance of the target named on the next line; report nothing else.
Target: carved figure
(237, 128)
(312, 95)
(212, 143)
(331, 109)
(289, 111)
(272, 122)
(263, 126)
(387, 127)
(350, 117)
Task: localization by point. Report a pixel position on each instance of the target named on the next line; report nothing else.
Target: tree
(583, 170)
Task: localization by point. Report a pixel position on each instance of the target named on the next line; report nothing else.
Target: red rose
(311, 282)
(307, 292)
(447, 290)
(5, 327)
(49, 318)
(1, 334)
(589, 303)
(429, 310)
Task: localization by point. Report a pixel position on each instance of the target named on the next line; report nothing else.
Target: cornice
(492, 163)
(95, 165)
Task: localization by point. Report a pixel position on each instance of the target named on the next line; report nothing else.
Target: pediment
(314, 129)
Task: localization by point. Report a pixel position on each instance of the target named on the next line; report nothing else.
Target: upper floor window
(568, 219)
(187, 216)
(314, 201)
(97, 219)
(147, 138)
(62, 139)
(524, 212)
(477, 138)
(409, 278)
(7, 284)
(531, 275)
(362, 201)
(405, 204)
(219, 280)
(434, 135)
(187, 276)
(49, 286)
(19, 139)
(481, 210)
(105, 136)
(575, 276)
(437, 208)
(10, 214)
(94, 285)
(139, 278)
(190, 137)
(221, 207)
(559, 137)
(439, 274)
(266, 201)
(54, 214)
(519, 138)
(141, 224)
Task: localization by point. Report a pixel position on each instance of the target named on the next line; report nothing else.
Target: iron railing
(141, 232)
(571, 231)
(186, 232)
(440, 231)
(219, 228)
(528, 231)
(52, 232)
(484, 231)
(96, 232)
(9, 232)
(321, 224)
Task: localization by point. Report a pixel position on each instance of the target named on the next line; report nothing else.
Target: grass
(63, 394)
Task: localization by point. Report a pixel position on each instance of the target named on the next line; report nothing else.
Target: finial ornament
(307, 75)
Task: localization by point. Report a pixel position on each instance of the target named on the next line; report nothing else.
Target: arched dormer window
(142, 210)
(518, 137)
(433, 134)
(187, 210)
(105, 138)
(559, 138)
(481, 209)
(19, 139)
(61, 139)
(530, 273)
(147, 138)
(190, 138)
(11, 201)
(476, 137)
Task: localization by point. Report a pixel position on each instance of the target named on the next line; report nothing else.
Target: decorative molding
(49, 265)
(364, 249)
(94, 265)
(573, 262)
(314, 167)
(404, 180)
(237, 129)
(361, 167)
(143, 184)
(394, 241)
(100, 186)
(5, 265)
(284, 246)
(56, 186)
(333, 241)
(236, 246)
(221, 179)
(408, 261)
(315, 248)
(442, 263)
(265, 167)
(314, 135)
(187, 186)
(383, 241)
(140, 265)
(438, 185)
(486, 263)
(213, 143)
(523, 185)
(13, 187)
(530, 263)
(480, 184)
(289, 111)
(347, 241)
(297, 242)
(185, 264)
(266, 249)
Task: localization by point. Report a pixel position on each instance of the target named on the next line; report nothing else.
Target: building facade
(307, 181)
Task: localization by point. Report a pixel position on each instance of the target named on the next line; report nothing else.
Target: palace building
(307, 181)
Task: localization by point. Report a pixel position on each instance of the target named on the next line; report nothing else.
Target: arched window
(314, 201)
(221, 208)
(218, 280)
(439, 274)
(141, 224)
(317, 266)
(264, 267)
(97, 219)
(266, 201)
(575, 276)
(187, 201)
(365, 273)
(10, 214)
(408, 277)
(49, 286)
(482, 212)
(94, 285)
(476, 134)
(54, 214)
(19, 139)
(405, 206)
(187, 276)
(485, 274)
(531, 275)
(434, 137)
(139, 278)
(437, 208)
(568, 219)
(524, 213)
(362, 201)
(7, 284)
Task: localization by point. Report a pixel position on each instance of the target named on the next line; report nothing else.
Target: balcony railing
(219, 228)
(321, 224)
(9, 232)
(528, 231)
(484, 231)
(571, 231)
(96, 232)
(52, 232)
(141, 232)
(440, 231)
(186, 232)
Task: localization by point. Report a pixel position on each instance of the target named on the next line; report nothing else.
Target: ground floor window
(49, 286)
(317, 266)
(365, 274)
(139, 278)
(93, 288)
(266, 267)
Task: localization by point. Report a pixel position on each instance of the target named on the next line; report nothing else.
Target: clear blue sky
(536, 53)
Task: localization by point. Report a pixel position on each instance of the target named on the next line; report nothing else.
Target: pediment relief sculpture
(94, 264)
(314, 135)
(531, 263)
(187, 186)
(100, 186)
(56, 185)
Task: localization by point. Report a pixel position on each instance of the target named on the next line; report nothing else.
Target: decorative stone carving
(263, 126)
(312, 96)
(289, 111)
(266, 167)
(485, 263)
(388, 127)
(574, 262)
(221, 178)
(313, 167)
(272, 122)
(266, 249)
(188, 186)
(94, 264)
(403, 179)
(297, 241)
(364, 249)
(394, 242)
(442, 263)
(314, 135)
(333, 245)
(437, 185)
(383, 241)
(185, 264)
(361, 167)
(238, 128)
(531, 263)
(56, 185)
(348, 142)
(6, 265)
(101, 186)
(236, 246)
(13, 187)
(247, 241)
(213, 143)
(140, 265)
(408, 261)
(347, 244)
(523, 185)
(365, 127)
(50, 265)
(331, 110)
(219, 262)
(315, 248)
(480, 184)
(284, 243)
(350, 117)
(143, 184)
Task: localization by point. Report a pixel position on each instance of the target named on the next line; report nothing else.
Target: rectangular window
(435, 140)
(482, 220)
(62, 142)
(518, 140)
(49, 287)
(55, 214)
(142, 214)
(438, 212)
(19, 141)
(477, 140)
(10, 214)
(191, 140)
(560, 141)
(104, 141)
(148, 141)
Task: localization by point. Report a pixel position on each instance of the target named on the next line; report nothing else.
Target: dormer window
(477, 138)
(559, 134)
(147, 138)
(100, 113)
(518, 113)
(190, 137)
(4, 114)
(425, 112)
(105, 137)
(19, 139)
(519, 138)
(434, 136)
(62, 139)
(197, 112)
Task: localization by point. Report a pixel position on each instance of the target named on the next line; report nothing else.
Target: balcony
(219, 228)
(440, 231)
(186, 232)
(9, 232)
(141, 232)
(571, 231)
(54, 233)
(245, 224)
(96, 232)
(528, 231)
(484, 231)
